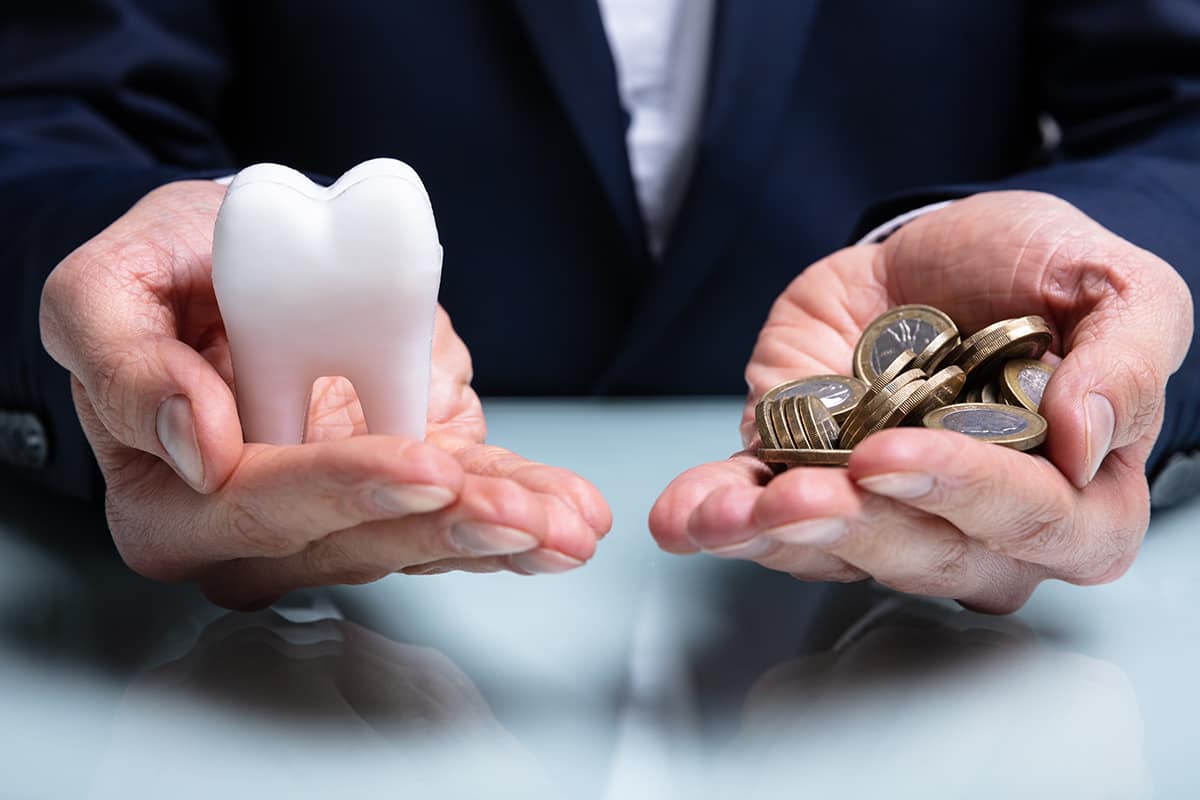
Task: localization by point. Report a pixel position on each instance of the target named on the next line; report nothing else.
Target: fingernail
(901, 485)
(1101, 421)
(813, 532)
(176, 430)
(481, 539)
(412, 498)
(757, 547)
(543, 561)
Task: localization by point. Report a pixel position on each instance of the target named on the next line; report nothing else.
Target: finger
(815, 509)
(1109, 391)
(1012, 503)
(151, 391)
(674, 507)
(724, 526)
(278, 501)
(281, 498)
(919, 553)
(493, 517)
(542, 478)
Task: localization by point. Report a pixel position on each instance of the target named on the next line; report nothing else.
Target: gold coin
(795, 424)
(820, 429)
(782, 433)
(910, 327)
(902, 363)
(942, 389)
(871, 407)
(1023, 382)
(1010, 426)
(937, 351)
(887, 412)
(805, 458)
(840, 394)
(981, 353)
(766, 431)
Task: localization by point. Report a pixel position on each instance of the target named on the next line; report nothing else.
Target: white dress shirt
(661, 49)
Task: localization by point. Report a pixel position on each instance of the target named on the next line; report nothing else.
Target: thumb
(156, 394)
(148, 390)
(1109, 392)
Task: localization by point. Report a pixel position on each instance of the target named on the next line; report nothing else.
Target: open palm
(133, 316)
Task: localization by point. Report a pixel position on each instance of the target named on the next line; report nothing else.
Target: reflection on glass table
(641, 675)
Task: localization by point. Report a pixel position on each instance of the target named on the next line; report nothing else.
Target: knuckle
(1141, 386)
(943, 574)
(1045, 525)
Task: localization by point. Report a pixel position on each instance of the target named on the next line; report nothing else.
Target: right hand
(133, 317)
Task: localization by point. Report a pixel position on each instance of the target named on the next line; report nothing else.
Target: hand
(132, 315)
(938, 513)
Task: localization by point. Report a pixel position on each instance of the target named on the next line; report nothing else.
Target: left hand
(935, 512)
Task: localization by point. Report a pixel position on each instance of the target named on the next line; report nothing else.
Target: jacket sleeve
(1119, 83)
(100, 102)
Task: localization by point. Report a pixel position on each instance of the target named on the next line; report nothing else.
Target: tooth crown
(339, 280)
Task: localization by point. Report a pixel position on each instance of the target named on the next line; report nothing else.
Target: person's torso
(815, 110)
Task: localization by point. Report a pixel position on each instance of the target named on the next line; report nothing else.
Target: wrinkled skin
(132, 315)
(936, 512)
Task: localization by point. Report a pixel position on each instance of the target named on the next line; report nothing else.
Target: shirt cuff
(896, 223)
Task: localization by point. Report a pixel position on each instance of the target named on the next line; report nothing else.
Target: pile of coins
(911, 367)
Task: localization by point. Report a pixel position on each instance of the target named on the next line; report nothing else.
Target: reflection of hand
(264, 663)
(133, 316)
(323, 708)
(938, 513)
(940, 704)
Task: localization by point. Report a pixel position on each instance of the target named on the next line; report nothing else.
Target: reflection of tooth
(316, 281)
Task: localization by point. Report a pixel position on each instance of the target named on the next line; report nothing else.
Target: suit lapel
(569, 38)
(757, 50)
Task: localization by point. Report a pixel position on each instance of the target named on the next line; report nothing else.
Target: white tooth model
(314, 281)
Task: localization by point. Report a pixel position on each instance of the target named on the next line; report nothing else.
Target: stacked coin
(911, 366)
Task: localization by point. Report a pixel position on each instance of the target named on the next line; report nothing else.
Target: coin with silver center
(1023, 382)
(910, 327)
(839, 393)
(1010, 426)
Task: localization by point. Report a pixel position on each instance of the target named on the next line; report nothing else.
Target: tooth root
(272, 403)
(388, 402)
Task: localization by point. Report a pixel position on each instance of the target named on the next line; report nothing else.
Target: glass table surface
(641, 675)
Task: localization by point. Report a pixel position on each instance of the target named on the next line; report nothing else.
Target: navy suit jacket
(823, 117)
